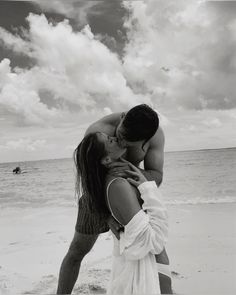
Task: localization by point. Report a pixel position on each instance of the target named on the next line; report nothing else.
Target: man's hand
(136, 176)
(115, 227)
(119, 169)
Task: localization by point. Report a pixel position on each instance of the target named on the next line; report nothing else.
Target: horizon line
(174, 151)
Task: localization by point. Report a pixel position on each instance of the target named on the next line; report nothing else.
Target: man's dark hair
(140, 123)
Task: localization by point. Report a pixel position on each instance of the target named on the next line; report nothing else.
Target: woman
(134, 269)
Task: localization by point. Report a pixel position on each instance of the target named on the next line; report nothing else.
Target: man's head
(139, 124)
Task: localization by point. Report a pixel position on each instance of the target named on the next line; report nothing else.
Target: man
(138, 130)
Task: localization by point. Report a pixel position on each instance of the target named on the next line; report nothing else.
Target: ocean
(190, 177)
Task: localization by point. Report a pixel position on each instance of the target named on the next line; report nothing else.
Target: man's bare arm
(154, 159)
(153, 175)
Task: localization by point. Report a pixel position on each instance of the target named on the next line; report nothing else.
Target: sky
(65, 64)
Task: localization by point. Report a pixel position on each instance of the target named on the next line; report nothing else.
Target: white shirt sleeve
(147, 231)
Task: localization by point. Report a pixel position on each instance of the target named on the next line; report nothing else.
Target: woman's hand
(136, 177)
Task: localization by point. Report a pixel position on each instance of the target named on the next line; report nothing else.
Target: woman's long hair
(90, 172)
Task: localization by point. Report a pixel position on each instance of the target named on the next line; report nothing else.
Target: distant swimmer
(17, 170)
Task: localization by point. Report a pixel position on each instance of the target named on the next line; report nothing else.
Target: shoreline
(201, 248)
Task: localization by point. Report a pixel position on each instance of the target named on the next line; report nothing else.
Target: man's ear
(122, 115)
(106, 160)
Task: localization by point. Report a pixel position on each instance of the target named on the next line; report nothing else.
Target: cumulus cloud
(19, 97)
(182, 53)
(77, 10)
(179, 58)
(73, 72)
(15, 43)
(176, 55)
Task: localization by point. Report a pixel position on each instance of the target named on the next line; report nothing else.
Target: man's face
(112, 147)
(121, 138)
(120, 135)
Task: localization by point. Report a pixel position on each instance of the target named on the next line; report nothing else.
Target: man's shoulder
(158, 139)
(110, 119)
(105, 124)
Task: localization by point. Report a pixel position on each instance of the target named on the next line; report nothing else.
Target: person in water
(139, 133)
(143, 217)
(17, 170)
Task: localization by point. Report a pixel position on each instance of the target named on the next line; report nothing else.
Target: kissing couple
(118, 195)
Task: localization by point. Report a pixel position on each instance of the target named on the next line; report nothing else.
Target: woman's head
(92, 156)
(113, 151)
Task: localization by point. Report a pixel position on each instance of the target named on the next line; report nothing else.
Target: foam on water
(225, 200)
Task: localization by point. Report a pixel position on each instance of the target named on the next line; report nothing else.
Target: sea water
(191, 177)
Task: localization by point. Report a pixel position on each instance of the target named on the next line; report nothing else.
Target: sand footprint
(95, 282)
(47, 285)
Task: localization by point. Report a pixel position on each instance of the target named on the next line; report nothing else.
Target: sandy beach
(201, 247)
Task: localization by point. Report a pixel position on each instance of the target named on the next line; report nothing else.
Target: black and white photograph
(117, 147)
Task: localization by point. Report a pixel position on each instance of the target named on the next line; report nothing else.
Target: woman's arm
(122, 200)
(143, 232)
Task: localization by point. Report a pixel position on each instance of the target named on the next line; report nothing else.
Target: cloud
(77, 10)
(179, 58)
(201, 129)
(182, 53)
(18, 96)
(214, 122)
(107, 111)
(174, 57)
(15, 43)
(163, 120)
(73, 72)
(25, 145)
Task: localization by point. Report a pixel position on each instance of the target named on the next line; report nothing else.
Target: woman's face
(113, 149)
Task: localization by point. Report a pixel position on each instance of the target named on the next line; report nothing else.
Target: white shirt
(134, 267)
